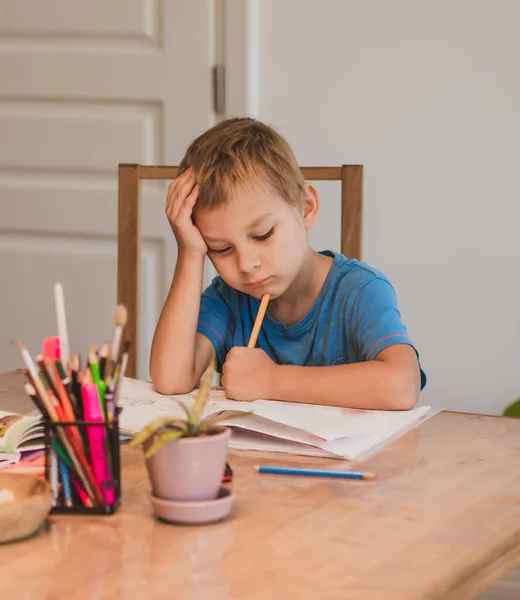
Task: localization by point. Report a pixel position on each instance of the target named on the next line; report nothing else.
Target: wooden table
(442, 521)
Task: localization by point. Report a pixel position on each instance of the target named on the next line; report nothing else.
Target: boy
(332, 333)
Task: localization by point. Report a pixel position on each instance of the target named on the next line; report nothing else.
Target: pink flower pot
(190, 468)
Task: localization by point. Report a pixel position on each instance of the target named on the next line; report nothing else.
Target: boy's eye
(223, 251)
(266, 235)
(259, 238)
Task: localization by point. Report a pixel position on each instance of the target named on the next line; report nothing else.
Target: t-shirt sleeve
(215, 317)
(376, 321)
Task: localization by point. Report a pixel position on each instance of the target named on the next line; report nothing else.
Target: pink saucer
(194, 512)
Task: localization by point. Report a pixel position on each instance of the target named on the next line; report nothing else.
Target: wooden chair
(129, 234)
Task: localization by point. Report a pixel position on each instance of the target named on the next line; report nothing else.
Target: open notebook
(278, 426)
(19, 435)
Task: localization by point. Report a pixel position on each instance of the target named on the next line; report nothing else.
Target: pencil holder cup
(82, 465)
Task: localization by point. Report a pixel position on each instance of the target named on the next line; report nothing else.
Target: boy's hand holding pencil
(248, 372)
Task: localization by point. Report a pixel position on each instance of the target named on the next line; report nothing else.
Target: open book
(19, 435)
(278, 426)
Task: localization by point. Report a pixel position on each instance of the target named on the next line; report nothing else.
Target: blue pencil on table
(65, 481)
(315, 472)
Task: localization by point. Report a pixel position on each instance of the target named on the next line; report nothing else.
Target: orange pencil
(62, 393)
(258, 320)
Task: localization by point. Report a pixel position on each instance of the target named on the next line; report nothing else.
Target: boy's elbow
(169, 385)
(406, 401)
(404, 395)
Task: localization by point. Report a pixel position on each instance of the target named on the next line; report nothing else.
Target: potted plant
(186, 458)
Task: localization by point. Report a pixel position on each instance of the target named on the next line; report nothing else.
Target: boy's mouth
(257, 282)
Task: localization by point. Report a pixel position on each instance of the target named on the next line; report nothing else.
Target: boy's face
(257, 242)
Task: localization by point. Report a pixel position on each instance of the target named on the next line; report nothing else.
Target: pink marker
(97, 441)
(51, 348)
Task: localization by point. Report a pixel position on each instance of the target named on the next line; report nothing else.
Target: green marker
(96, 377)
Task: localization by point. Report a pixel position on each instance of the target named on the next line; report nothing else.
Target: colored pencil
(258, 321)
(110, 391)
(62, 393)
(315, 472)
(83, 496)
(76, 384)
(61, 321)
(103, 355)
(65, 482)
(67, 383)
(62, 454)
(119, 373)
(124, 358)
(31, 392)
(120, 316)
(54, 481)
(46, 376)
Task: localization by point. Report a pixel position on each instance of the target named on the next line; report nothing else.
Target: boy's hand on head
(182, 195)
(247, 374)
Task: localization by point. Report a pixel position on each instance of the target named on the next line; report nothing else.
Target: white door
(85, 86)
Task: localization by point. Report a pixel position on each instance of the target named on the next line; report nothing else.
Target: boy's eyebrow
(258, 221)
(250, 226)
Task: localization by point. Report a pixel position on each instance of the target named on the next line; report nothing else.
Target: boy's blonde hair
(237, 154)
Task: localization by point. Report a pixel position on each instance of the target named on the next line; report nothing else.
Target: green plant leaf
(513, 410)
(193, 429)
(152, 428)
(202, 396)
(211, 421)
(161, 440)
(186, 409)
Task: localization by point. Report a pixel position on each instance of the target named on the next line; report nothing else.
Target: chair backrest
(129, 229)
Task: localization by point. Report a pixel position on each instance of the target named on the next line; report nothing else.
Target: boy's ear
(311, 205)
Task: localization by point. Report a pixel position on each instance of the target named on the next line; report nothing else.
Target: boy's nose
(248, 261)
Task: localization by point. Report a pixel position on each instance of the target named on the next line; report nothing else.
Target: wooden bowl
(25, 502)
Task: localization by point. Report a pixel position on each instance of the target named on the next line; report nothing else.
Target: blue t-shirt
(354, 317)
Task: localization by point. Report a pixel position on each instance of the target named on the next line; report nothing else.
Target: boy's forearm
(172, 356)
(368, 385)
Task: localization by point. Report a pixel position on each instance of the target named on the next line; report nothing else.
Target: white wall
(426, 95)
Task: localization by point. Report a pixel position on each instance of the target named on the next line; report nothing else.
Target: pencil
(54, 481)
(61, 321)
(119, 371)
(31, 392)
(76, 387)
(315, 472)
(124, 358)
(83, 496)
(109, 399)
(103, 355)
(46, 375)
(61, 391)
(65, 482)
(67, 383)
(258, 321)
(120, 316)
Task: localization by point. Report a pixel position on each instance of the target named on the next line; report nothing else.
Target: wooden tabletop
(441, 521)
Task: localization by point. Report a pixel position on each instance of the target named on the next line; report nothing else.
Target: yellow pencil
(258, 320)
